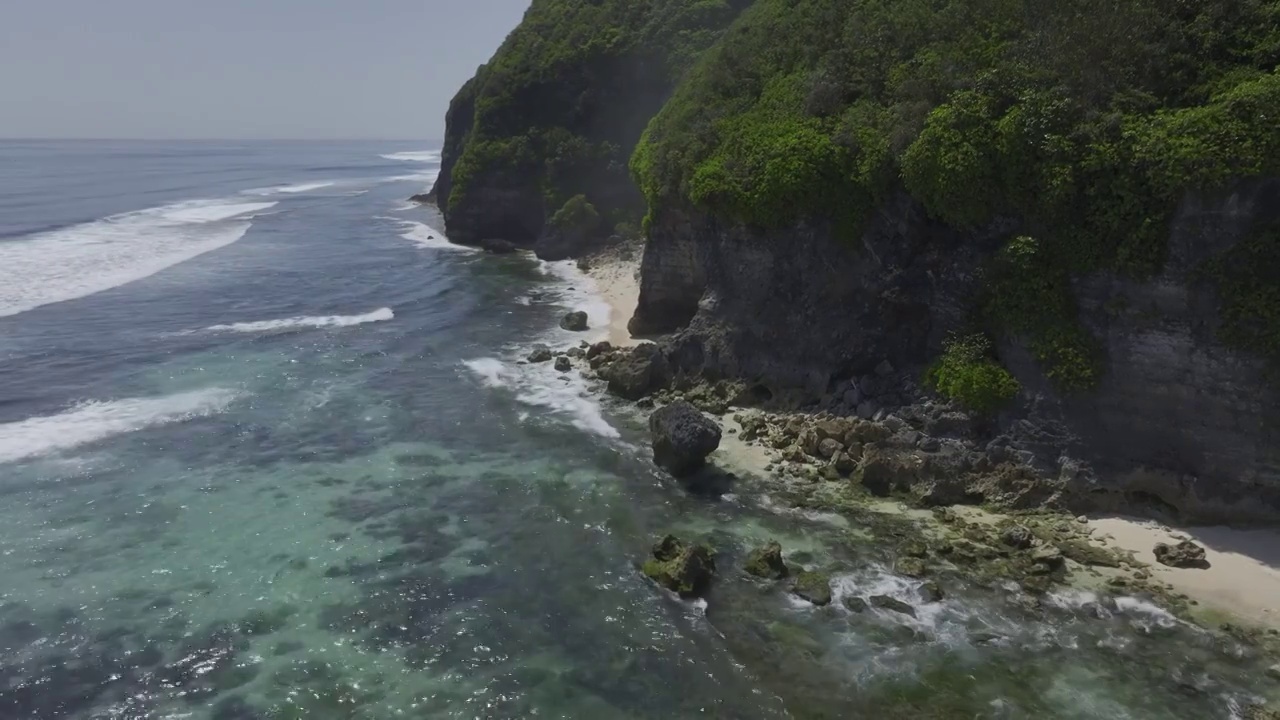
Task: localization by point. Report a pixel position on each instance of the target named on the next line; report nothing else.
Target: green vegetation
(562, 103)
(968, 373)
(577, 215)
(1246, 277)
(1084, 122)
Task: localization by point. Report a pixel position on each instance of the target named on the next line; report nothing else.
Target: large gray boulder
(682, 438)
(636, 372)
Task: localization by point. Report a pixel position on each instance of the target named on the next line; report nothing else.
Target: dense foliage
(564, 100)
(968, 373)
(1083, 120)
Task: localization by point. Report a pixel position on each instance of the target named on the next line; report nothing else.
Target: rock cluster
(1185, 554)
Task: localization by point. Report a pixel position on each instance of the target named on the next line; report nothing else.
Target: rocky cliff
(554, 116)
(1060, 217)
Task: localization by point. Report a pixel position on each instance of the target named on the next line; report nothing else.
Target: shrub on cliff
(968, 374)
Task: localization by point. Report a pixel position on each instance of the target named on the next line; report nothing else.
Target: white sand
(1243, 577)
(616, 275)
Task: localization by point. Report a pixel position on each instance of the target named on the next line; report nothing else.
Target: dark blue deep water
(266, 452)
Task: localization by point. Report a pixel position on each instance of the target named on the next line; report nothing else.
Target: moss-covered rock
(814, 587)
(686, 569)
(766, 562)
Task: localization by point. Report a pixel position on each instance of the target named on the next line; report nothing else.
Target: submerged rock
(931, 592)
(893, 604)
(496, 246)
(855, 604)
(814, 587)
(682, 438)
(540, 354)
(1185, 554)
(575, 321)
(563, 364)
(685, 569)
(911, 567)
(766, 562)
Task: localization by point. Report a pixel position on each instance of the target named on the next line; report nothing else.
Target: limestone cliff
(1060, 216)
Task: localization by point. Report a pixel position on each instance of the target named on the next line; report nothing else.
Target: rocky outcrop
(1180, 424)
(682, 438)
(683, 568)
(815, 587)
(575, 321)
(635, 372)
(766, 562)
(1185, 554)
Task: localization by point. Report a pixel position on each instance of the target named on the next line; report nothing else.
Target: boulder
(844, 463)
(911, 567)
(563, 364)
(766, 562)
(1185, 554)
(682, 438)
(931, 592)
(598, 349)
(576, 353)
(686, 569)
(633, 375)
(814, 587)
(1017, 536)
(855, 604)
(829, 448)
(893, 604)
(1048, 556)
(575, 321)
(541, 354)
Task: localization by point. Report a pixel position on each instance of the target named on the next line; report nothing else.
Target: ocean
(267, 451)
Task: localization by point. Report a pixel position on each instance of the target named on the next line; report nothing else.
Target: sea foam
(289, 189)
(426, 156)
(93, 421)
(425, 236)
(299, 323)
(81, 260)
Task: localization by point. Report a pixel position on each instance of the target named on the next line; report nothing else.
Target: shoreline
(1241, 582)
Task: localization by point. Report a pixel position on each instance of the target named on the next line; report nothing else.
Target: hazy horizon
(238, 71)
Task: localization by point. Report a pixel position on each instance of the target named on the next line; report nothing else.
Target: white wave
(426, 178)
(425, 236)
(296, 323)
(576, 291)
(81, 260)
(289, 189)
(93, 421)
(418, 156)
(539, 385)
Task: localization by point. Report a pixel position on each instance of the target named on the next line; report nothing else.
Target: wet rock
(634, 374)
(685, 569)
(982, 637)
(1037, 584)
(1258, 712)
(931, 592)
(766, 562)
(1017, 536)
(809, 442)
(1185, 554)
(599, 349)
(844, 463)
(814, 587)
(1048, 556)
(563, 364)
(893, 604)
(575, 321)
(829, 448)
(496, 246)
(576, 353)
(855, 604)
(682, 438)
(540, 354)
(1086, 554)
(911, 567)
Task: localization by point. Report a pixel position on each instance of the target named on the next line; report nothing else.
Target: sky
(233, 69)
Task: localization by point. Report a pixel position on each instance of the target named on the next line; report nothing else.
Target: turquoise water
(300, 474)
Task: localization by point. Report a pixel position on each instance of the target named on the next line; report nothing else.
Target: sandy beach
(1241, 583)
(616, 273)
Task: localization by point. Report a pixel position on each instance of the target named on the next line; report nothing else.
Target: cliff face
(558, 110)
(1056, 215)
(1179, 423)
